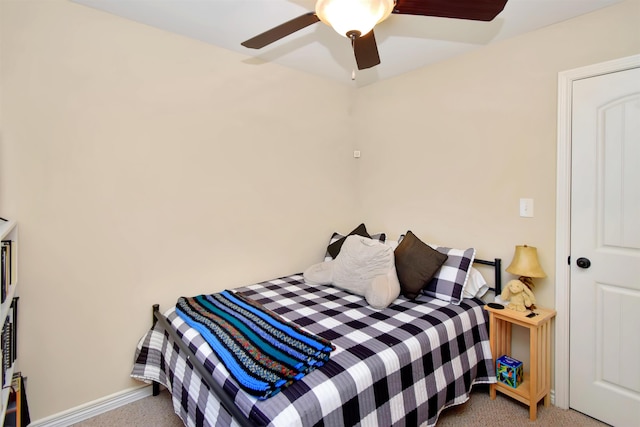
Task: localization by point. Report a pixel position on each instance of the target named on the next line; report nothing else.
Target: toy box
(509, 371)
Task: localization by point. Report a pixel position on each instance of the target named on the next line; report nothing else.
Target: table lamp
(525, 264)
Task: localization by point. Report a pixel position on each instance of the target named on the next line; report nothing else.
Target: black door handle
(583, 262)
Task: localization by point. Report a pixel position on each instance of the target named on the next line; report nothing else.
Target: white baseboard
(92, 409)
(108, 403)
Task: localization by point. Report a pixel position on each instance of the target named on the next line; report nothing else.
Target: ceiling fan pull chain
(353, 74)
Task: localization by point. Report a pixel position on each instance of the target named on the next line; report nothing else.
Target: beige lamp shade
(525, 263)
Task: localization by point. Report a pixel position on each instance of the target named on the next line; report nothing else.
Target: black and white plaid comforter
(400, 366)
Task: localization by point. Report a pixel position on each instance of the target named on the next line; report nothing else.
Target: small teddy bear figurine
(519, 296)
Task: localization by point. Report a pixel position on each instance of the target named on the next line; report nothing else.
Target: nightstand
(537, 379)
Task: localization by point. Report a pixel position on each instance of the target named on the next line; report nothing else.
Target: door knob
(583, 262)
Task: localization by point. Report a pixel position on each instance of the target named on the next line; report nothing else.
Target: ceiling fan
(355, 20)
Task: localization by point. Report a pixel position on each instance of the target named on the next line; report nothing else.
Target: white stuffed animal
(519, 296)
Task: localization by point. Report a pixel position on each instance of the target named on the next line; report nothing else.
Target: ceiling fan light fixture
(348, 16)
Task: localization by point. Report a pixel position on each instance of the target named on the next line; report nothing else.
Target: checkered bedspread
(398, 366)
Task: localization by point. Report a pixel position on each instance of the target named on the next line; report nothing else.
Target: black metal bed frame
(497, 272)
(225, 400)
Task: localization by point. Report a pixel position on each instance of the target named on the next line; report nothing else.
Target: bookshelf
(8, 307)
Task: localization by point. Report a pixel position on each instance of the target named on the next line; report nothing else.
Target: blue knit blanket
(263, 352)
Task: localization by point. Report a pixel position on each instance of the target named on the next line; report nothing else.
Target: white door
(605, 248)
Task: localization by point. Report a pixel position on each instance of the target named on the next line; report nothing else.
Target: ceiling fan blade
(477, 10)
(365, 50)
(282, 30)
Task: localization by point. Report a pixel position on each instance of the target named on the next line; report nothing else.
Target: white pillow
(363, 267)
(319, 274)
(476, 285)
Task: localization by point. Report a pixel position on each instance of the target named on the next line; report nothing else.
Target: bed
(401, 365)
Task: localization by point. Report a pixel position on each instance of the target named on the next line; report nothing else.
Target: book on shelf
(3, 271)
(7, 268)
(8, 344)
(14, 328)
(3, 377)
(17, 414)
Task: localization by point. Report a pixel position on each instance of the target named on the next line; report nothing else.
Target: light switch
(526, 208)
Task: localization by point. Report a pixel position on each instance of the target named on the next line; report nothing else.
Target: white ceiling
(404, 42)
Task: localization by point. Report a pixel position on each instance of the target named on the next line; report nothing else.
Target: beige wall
(448, 150)
(143, 166)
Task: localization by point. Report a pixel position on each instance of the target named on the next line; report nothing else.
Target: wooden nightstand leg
(533, 408)
(534, 374)
(547, 363)
(494, 348)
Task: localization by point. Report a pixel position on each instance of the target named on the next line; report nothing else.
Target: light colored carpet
(479, 410)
